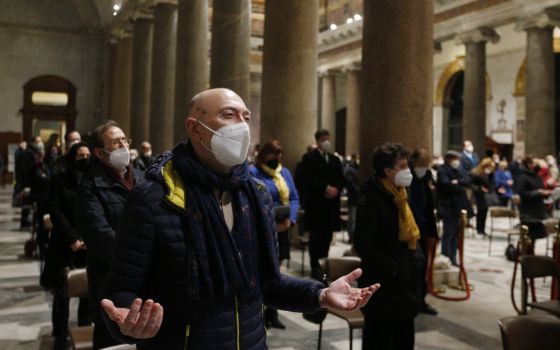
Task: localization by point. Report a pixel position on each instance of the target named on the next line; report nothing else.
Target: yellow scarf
(279, 181)
(408, 230)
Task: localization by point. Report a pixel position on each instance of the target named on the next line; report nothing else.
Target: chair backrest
(530, 332)
(533, 266)
(502, 212)
(550, 225)
(516, 199)
(76, 283)
(340, 266)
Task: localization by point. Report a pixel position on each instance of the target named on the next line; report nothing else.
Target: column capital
(352, 67)
(327, 73)
(143, 11)
(549, 18)
(166, 2)
(479, 35)
(120, 32)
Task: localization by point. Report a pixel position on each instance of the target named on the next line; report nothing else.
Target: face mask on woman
(403, 178)
(455, 164)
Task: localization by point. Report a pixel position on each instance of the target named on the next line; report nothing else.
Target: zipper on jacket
(187, 334)
(237, 340)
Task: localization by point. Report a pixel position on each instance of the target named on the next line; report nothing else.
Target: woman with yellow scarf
(386, 238)
(278, 180)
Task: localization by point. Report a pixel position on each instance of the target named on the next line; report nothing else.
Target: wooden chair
(121, 347)
(530, 332)
(534, 266)
(335, 268)
(76, 286)
(501, 212)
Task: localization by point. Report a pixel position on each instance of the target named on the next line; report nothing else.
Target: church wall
(45, 37)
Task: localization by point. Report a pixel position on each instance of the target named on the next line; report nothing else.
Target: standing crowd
(182, 250)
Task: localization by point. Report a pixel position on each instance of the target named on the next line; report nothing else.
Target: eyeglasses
(122, 140)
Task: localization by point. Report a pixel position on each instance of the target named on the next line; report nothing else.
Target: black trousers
(319, 244)
(481, 214)
(382, 334)
(60, 313)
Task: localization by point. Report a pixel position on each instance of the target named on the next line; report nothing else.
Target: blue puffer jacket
(150, 263)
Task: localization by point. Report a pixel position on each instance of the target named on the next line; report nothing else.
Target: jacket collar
(103, 180)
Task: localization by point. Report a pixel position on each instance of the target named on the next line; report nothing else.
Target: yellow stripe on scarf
(279, 181)
(408, 230)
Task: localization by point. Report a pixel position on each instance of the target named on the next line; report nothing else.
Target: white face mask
(455, 164)
(326, 145)
(229, 143)
(420, 171)
(119, 158)
(469, 149)
(487, 171)
(403, 178)
(148, 154)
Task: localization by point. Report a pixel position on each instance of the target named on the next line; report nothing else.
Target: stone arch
(446, 77)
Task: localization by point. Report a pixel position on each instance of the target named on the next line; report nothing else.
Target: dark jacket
(98, 211)
(142, 163)
(62, 199)
(321, 213)
(532, 210)
(532, 205)
(468, 163)
(385, 259)
(484, 199)
(351, 183)
(452, 198)
(421, 201)
(150, 262)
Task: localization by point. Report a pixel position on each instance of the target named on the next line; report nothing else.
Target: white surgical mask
(326, 145)
(119, 158)
(403, 178)
(487, 171)
(469, 149)
(148, 154)
(420, 171)
(455, 164)
(229, 143)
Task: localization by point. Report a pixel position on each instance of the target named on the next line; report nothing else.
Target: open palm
(140, 321)
(341, 295)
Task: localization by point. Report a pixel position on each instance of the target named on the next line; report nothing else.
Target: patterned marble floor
(472, 324)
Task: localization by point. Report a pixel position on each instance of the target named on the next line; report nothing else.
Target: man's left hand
(341, 295)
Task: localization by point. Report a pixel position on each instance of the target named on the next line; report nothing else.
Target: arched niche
(49, 103)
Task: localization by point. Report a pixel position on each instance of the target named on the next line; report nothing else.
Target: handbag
(491, 199)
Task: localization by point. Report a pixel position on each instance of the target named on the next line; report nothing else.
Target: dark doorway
(557, 100)
(455, 115)
(340, 132)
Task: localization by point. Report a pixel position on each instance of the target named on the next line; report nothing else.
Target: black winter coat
(150, 262)
(321, 213)
(62, 199)
(452, 198)
(385, 259)
(98, 211)
(421, 201)
(480, 181)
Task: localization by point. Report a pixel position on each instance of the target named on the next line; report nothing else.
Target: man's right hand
(545, 193)
(331, 192)
(140, 321)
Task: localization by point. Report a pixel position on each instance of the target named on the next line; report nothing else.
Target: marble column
(192, 59)
(474, 87)
(163, 77)
(289, 78)
(397, 65)
(119, 102)
(231, 34)
(540, 124)
(352, 110)
(328, 104)
(141, 80)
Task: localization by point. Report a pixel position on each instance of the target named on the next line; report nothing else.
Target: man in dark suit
(469, 159)
(323, 181)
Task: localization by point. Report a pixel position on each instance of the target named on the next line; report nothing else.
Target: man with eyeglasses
(103, 191)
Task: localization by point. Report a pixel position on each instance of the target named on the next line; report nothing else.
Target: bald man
(196, 256)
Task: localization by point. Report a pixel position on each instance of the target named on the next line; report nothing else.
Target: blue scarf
(216, 269)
